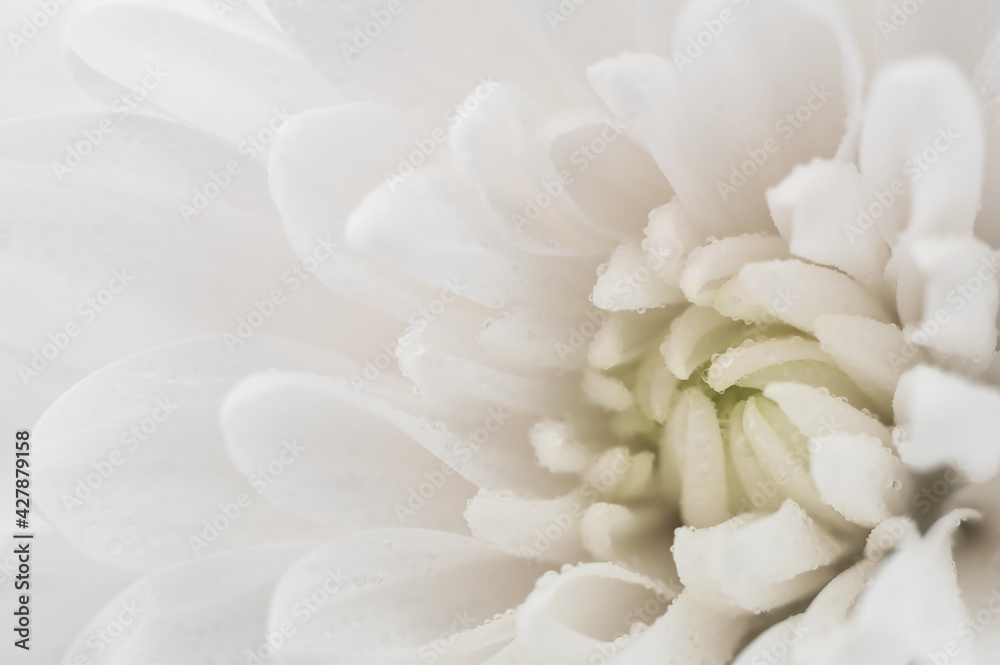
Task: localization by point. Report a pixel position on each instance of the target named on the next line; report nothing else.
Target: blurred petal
(397, 596)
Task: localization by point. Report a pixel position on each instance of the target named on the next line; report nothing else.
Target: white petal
(694, 337)
(558, 449)
(731, 367)
(826, 614)
(948, 420)
(168, 62)
(445, 373)
(67, 589)
(216, 607)
(375, 55)
(135, 468)
(704, 118)
(537, 530)
(691, 631)
(819, 415)
(796, 293)
(709, 266)
(630, 282)
(872, 353)
(634, 538)
(606, 391)
(756, 562)
(860, 478)
(774, 645)
(922, 149)
(911, 607)
(623, 337)
(558, 626)
(694, 438)
(574, 36)
(330, 446)
(397, 596)
(321, 168)
(670, 236)
(815, 208)
(611, 179)
(493, 149)
(118, 212)
(431, 227)
(956, 317)
(784, 459)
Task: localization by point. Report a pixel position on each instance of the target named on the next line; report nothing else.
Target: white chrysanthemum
(636, 332)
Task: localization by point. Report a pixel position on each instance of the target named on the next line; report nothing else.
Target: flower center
(705, 401)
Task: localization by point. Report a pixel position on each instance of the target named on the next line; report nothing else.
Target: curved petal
(102, 264)
(691, 631)
(693, 439)
(921, 150)
(317, 448)
(756, 562)
(911, 607)
(872, 353)
(816, 208)
(215, 607)
(67, 589)
(953, 280)
(537, 530)
(131, 462)
(381, 52)
(397, 596)
(775, 644)
(721, 133)
(559, 627)
(796, 293)
(168, 61)
(948, 420)
(322, 167)
(860, 478)
(576, 35)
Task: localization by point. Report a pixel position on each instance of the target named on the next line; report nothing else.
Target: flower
(602, 332)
